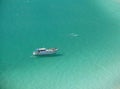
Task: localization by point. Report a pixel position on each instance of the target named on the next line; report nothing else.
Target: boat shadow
(51, 55)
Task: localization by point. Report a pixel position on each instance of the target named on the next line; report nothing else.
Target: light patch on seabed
(104, 78)
(118, 1)
(111, 78)
(111, 7)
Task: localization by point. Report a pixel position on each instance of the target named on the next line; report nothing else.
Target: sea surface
(86, 32)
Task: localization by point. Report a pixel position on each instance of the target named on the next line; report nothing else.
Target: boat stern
(34, 53)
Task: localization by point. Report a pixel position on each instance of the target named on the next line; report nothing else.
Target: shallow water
(86, 33)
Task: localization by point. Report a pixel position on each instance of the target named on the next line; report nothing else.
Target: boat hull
(47, 52)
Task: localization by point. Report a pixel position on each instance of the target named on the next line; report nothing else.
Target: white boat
(44, 51)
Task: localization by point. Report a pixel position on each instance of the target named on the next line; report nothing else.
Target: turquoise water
(86, 33)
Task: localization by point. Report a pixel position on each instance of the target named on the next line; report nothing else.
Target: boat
(44, 51)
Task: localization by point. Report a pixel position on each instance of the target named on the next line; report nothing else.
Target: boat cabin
(41, 49)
